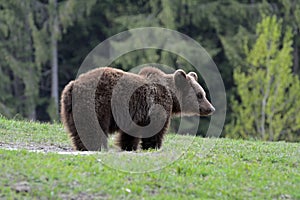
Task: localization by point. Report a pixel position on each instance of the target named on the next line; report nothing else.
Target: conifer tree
(268, 107)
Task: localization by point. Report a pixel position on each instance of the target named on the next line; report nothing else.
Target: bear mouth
(205, 114)
(208, 112)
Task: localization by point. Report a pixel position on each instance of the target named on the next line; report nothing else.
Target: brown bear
(138, 106)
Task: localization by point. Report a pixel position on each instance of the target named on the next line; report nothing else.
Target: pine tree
(268, 107)
(21, 63)
(29, 32)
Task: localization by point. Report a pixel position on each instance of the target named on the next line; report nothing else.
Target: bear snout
(209, 110)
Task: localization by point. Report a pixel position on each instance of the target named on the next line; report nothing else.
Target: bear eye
(199, 96)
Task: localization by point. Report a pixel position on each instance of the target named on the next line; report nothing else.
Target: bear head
(190, 95)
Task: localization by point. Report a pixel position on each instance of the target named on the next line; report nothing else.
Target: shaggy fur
(177, 93)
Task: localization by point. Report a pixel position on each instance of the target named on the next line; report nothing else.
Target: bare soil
(36, 147)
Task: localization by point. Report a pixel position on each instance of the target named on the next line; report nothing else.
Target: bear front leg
(153, 142)
(127, 142)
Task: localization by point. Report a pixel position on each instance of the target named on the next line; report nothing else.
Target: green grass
(12, 131)
(209, 168)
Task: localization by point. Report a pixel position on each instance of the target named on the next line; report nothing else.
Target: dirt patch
(84, 196)
(44, 148)
(21, 187)
(36, 147)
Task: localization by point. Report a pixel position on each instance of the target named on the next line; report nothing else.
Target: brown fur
(174, 92)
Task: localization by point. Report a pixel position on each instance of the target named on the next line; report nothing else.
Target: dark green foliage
(26, 27)
(25, 33)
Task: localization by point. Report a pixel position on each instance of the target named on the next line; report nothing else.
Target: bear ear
(194, 75)
(180, 78)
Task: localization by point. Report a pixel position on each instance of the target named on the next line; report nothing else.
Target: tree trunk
(296, 57)
(54, 59)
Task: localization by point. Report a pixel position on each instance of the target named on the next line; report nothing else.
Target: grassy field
(206, 169)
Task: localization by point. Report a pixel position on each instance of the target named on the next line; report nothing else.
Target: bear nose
(210, 110)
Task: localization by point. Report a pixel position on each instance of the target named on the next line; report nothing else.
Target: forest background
(254, 43)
